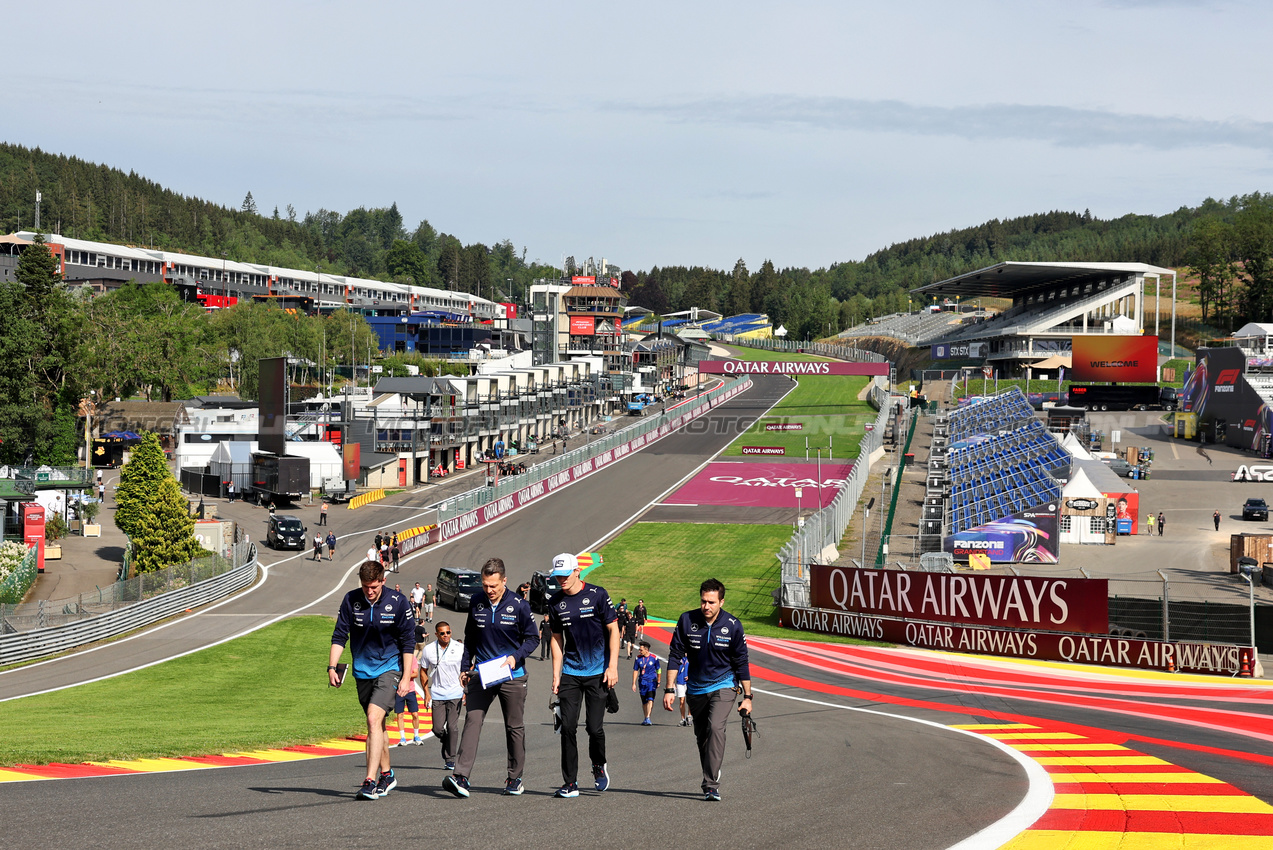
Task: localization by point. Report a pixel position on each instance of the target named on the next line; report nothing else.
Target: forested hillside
(1228, 245)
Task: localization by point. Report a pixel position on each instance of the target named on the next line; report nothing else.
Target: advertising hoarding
(583, 325)
(351, 461)
(1026, 537)
(1012, 602)
(272, 425)
(1115, 358)
(959, 350)
(789, 367)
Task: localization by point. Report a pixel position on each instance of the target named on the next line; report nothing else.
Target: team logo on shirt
(724, 631)
(586, 600)
(388, 608)
(509, 609)
(562, 606)
(694, 627)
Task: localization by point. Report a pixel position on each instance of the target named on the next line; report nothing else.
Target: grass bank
(827, 409)
(664, 563)
(266, 689)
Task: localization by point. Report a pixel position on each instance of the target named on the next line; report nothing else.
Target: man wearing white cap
(585, 644)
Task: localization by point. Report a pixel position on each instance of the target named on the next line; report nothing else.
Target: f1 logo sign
(1226, 380)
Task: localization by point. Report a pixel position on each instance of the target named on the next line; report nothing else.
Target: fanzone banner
(1030, 536)
(1014, 602)
(466, 522)
(580, 325)
(1115, 358)
(789, 367)
(1185, 656)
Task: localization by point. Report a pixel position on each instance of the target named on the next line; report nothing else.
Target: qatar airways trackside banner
(471, 520)
(1100, 357)
(789, 367)
(1185, 656)
(1013, 602)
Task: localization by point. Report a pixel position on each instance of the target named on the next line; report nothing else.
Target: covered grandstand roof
(1014, 279)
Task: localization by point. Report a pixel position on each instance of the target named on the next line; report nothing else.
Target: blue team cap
(564, 564)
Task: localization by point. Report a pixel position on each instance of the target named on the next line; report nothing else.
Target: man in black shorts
(381, 625)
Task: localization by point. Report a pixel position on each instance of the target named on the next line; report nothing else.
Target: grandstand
(744, 325)
(1051, 304)
(990, 482)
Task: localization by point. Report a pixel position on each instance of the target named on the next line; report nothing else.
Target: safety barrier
(127, 605)
(366, 498)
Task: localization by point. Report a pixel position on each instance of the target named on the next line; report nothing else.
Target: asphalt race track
(849, 751)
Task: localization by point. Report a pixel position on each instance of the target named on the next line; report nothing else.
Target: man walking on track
(713, 640)
(382, 630)
(322, 514)
(440, 669)
(500, 629)
(331, 545)
(585, 647)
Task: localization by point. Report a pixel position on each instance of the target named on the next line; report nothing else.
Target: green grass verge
(828, 408)
(664, 563)
(266, 689)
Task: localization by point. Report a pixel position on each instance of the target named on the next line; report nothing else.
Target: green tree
(1209, 257)
(152, 511)
(405, 261)
(249, 205)
(740, 290)
(1253, 230)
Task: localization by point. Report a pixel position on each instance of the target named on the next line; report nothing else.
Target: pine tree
(249, 205)
(138, 480)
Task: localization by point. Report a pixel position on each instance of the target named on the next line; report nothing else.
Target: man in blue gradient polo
(585, 645)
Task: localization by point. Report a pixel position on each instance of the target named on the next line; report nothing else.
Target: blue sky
(664, 133)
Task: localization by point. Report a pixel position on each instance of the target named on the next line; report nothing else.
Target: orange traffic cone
(1171, 664)
(1245, 672)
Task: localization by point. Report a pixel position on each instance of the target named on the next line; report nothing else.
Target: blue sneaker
(450, 765)
(368, 790)
(646, 722)
(600, 777)
(570, 789)
(513, 788)
(712, 796)
(457, 785)
(386, 783)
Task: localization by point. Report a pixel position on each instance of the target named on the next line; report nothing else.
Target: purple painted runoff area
(762, 485)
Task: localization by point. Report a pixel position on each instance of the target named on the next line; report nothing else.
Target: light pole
(866, 516)
(799, 528)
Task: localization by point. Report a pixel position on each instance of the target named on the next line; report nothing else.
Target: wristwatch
(669, 690)
(331, 668)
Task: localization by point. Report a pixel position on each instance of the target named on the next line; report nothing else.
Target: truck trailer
(276, 478)
(1123, 397)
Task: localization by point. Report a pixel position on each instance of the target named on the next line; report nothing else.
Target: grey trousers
(512, 701)
(446, 726)
(711, 713)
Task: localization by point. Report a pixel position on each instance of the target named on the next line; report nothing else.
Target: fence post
(1166, 608)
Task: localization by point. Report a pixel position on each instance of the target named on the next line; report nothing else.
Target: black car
(457, 587)
(1256, 509)
(285, 532)
(542, 588)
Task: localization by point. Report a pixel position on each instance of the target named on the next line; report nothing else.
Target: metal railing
(544, 470)
(29, 617)
(826, 527)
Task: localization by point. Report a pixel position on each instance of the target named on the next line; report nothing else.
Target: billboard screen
(580, 325)
(1026, 537)
(1119, 359)
(351, 461)
(583, 280)
(272, 428)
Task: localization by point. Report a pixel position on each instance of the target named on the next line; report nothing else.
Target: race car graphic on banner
(1026, 537)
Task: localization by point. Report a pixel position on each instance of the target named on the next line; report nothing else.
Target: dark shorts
(381, 691)
(407, 704)
(648, 696)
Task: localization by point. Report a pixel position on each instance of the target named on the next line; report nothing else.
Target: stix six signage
(1015, 602)
(789, 367)
(1185, 656)
(1115, 358)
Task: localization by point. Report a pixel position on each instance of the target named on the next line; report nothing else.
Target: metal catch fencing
(51, 613)
(826, 527)
(542, 470)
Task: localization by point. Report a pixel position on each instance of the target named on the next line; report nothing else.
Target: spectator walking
(331, 545)
(318, 547)
(379, 540)
(629, 634)
(409, 705)
(682, 677)
(714, 642)
(585, 647)
(639, 614)
(322, 513)
(1149, 524)
(1215, 517)
(430, 598)
(394, 552)
(645, 679)
(443, 693)
(382, 632)
(229, 487)
(500, 628)
(417, 599)
(373, 554)
(545, 636)
(1162, 523)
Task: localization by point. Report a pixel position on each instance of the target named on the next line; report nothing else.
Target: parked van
(457, 586)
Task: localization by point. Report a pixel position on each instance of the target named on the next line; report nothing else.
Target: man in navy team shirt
(713, 640)
(381, 625)
(645, 679)
(585, 646)
(500, 628)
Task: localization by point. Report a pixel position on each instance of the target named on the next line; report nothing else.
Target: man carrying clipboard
(498, 638)
(381, 625)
